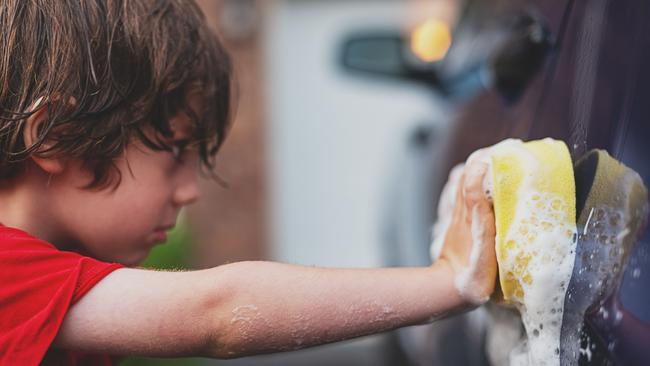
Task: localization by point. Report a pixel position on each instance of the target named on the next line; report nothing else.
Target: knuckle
(473, 184)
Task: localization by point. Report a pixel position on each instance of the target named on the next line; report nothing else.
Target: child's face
(124, 224)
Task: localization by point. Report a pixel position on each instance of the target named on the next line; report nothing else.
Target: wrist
(445, 274)
(466, 289)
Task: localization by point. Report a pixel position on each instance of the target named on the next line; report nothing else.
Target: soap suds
(244, 314)
(538, 258)
(538, 255)
(599, 267)
(445, 210)
(463, 282)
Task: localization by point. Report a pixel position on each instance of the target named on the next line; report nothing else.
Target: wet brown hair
(108, 71)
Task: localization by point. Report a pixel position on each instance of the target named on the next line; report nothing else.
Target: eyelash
(178, 150)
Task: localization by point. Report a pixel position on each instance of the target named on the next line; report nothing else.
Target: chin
(135, 260)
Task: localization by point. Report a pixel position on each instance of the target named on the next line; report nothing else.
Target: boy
(108, 110)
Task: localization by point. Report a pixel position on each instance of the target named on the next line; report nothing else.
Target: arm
(249, 308)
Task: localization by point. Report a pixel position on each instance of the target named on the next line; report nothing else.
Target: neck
(24, 205)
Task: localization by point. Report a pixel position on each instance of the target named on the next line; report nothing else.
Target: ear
(30, 136)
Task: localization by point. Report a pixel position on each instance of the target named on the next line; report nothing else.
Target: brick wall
(229, 224)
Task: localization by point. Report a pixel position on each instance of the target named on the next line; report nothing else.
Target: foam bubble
(540, 252)
(599, 267)
(445, 210)
(538, 258)
(464, 281)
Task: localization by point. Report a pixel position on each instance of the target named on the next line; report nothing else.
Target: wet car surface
(576, 71)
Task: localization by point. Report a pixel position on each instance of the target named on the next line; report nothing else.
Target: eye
(178, 150)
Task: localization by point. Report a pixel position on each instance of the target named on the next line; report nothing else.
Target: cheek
(123, 241)
(117, 220)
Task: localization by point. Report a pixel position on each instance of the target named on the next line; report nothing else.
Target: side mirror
(385, 54)
(513, 54)
(521, 55)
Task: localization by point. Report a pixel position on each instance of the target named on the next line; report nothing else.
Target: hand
(469, 242)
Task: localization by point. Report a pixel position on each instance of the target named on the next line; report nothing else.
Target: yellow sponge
(534, 207)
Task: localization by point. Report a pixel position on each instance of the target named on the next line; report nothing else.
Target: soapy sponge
(532, 188)
(534, 199)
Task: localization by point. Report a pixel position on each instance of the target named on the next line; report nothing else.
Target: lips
(160, 233)
(160, 236)
(164, 228)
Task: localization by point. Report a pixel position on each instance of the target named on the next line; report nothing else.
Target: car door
(593, 93)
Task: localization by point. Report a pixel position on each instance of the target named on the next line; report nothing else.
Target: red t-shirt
(38, 284)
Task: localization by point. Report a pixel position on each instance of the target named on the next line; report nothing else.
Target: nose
(187, 189)
(186, 194)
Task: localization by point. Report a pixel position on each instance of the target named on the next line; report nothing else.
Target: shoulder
(15, 239)
(18, 249)
(23, 256)
(38, 284)
(26, 261)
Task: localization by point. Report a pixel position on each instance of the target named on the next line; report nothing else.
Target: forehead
(183, 124)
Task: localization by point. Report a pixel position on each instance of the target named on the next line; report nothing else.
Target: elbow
(222, 353)
(229, 335)
(224, 347)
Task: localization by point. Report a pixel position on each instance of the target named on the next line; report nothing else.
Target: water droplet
(636, 273)
(618, 317)
(604, 313)
(611, 346)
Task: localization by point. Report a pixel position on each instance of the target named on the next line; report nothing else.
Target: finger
(459, 206)
(473, 185)
(449, 193)
(480, 155)
(487, 260)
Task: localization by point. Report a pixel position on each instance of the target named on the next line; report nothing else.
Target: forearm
(271, 307)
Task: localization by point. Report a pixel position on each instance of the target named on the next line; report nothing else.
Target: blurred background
(352, 112)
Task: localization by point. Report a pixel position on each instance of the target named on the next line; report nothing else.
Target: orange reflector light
(431, 40)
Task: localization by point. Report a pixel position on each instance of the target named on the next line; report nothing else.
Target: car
(570, 70)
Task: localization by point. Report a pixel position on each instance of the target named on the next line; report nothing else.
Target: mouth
(160, 236)
(160, 233)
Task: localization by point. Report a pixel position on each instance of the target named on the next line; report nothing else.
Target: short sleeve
(38, 284)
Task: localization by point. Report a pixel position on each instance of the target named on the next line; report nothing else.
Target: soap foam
(543, 240)
(541, 236)
(538, 258)
(463, 282)
(599, 267)
(445, 210)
